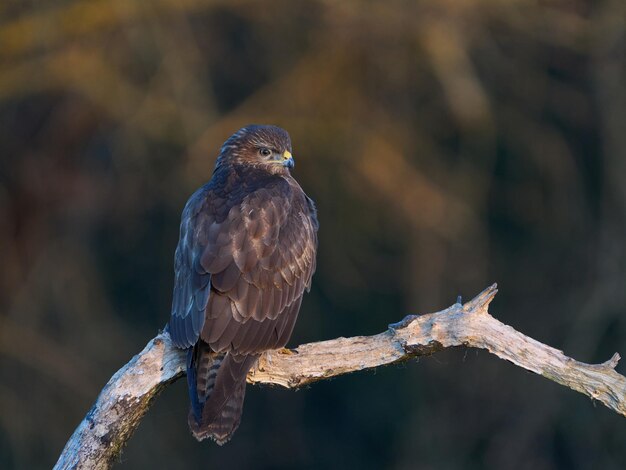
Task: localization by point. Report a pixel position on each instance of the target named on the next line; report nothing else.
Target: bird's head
(267, 147)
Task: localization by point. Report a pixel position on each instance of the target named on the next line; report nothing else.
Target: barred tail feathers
(217, 387)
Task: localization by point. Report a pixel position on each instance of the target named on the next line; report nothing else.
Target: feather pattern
(245, 256)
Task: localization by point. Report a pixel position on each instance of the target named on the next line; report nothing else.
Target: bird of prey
(246, 254)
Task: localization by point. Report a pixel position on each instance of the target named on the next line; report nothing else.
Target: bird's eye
(265, 152)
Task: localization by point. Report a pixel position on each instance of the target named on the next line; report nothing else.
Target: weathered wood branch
(125, 399)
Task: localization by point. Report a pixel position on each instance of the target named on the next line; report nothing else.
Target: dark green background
(448, 145)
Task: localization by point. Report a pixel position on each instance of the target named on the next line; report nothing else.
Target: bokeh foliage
(448, 144)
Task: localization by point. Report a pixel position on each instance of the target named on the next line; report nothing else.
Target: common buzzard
(246, 254)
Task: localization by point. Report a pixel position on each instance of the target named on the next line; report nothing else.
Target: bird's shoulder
(301, 202)
(232, 187)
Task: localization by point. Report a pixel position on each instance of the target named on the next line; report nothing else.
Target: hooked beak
(288, 159)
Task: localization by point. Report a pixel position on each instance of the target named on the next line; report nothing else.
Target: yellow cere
(286, 155)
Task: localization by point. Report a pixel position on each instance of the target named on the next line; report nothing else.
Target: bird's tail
(217, 387)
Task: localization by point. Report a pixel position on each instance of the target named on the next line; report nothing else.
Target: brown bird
(246, 254)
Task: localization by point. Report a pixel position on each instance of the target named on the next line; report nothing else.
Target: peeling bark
(99, 438)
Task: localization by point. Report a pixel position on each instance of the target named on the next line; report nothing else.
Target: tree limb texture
(98, 440)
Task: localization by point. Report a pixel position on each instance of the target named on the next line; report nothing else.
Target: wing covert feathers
(246, 255)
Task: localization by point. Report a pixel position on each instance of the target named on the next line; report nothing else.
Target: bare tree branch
(125, 399)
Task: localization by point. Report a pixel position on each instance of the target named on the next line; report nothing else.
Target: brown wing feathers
(245, 257)
(267, 270)
(192, 283)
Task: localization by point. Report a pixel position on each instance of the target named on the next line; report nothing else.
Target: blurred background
(448, 144)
